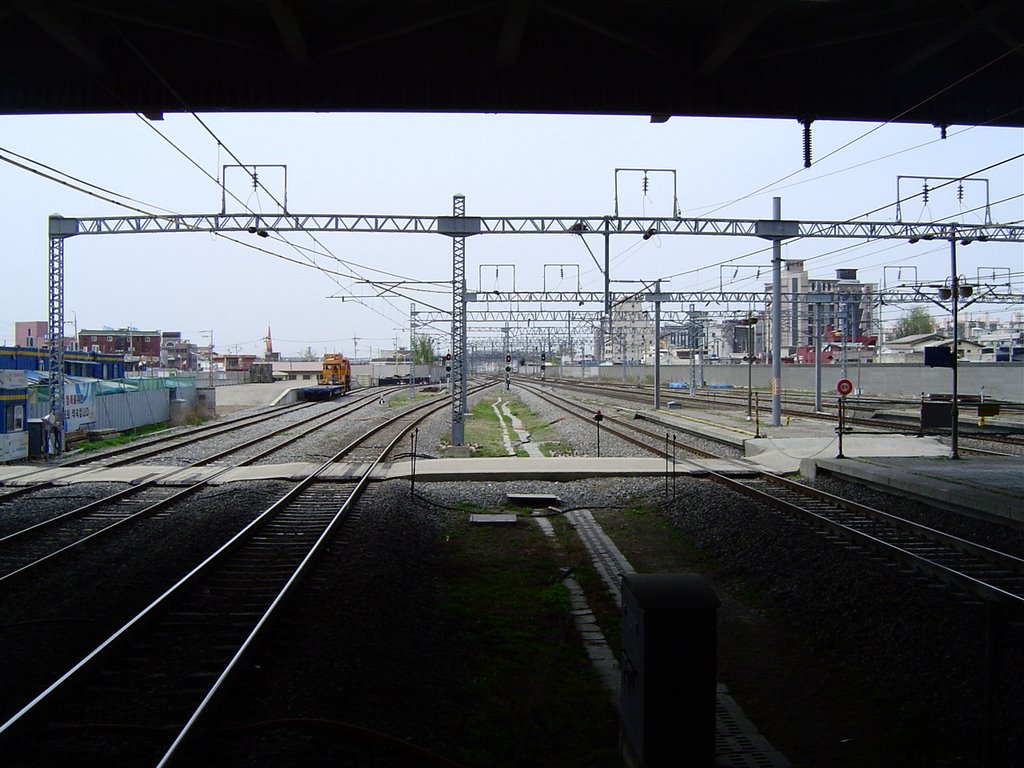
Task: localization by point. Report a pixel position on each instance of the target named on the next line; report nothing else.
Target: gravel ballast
(839, 659)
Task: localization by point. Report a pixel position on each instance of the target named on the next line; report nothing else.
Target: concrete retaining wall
(1003, 381)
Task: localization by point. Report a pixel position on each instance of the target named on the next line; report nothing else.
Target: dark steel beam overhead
(943, 62)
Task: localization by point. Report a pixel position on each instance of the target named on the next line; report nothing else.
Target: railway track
(803, 407)
(657, 443)
(976, 571)
(130, 454)
(143, 692)
(41, 543)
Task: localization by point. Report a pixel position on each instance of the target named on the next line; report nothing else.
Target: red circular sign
(844, 387)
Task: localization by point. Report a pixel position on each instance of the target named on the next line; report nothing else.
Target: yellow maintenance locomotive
(336, 371)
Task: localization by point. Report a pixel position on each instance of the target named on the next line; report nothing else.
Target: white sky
(505, 165)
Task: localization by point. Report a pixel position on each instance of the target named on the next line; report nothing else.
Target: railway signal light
(448, 363)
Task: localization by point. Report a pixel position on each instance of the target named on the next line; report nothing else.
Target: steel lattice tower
(458, 327)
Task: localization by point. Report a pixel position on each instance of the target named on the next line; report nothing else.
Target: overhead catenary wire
(221, 145)
(878, 127)
(820, 176)
(768, 248)
(618, 258)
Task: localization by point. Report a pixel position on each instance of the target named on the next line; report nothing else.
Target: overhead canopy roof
(930, 61)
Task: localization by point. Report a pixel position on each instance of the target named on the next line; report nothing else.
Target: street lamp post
(209, 358)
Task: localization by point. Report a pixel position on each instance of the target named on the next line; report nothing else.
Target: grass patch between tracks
(121, 438)
(484, 432)
(530, 694)
(399, 401)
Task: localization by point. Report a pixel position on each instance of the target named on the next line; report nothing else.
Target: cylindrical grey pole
(657, 349)
(776, 319)
(817, 357)
(954, 284)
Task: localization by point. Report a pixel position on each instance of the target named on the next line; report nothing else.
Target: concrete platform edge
(969, 500)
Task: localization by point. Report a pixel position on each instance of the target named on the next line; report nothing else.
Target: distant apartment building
(176, 353)
(233, 362)
(141, 349)
(32, 334)
(631, 337)
(847, 315)
(35, 334)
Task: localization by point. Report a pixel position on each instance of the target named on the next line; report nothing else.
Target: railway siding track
(145, 689)
(159, 444)
(978, 571)
(39, 543)
(621, 428)
(151, 677)
(42, 543)
(801, 406)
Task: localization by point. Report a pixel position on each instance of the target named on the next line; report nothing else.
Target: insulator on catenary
(924, 193)
(807, 142)
(646, 183)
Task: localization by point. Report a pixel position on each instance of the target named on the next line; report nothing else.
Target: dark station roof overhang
(941, 62)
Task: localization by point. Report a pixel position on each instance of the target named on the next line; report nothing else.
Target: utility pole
(412, 347)
(818, 300)
(458, 325)
(691, 333)
(657, 344)
(846, 337)
(607, 325)
(777, 317)
(954, 284)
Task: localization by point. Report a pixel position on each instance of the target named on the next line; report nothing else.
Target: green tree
(915, 322)
(423, 350)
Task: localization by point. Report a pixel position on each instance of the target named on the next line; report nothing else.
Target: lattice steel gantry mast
(458, 326)
(459, 227)
(59, 229)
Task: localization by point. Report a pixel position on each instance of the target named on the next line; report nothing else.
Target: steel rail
(121, 635)
(360, 487)
(193, 434)
(312, 423)
(581, 412)
(641, 395)
(91, 461)
(983, 589)
(218, 558)
(1011, 591)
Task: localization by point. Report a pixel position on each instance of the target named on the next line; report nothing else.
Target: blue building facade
(94, 365)
(13, 416)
